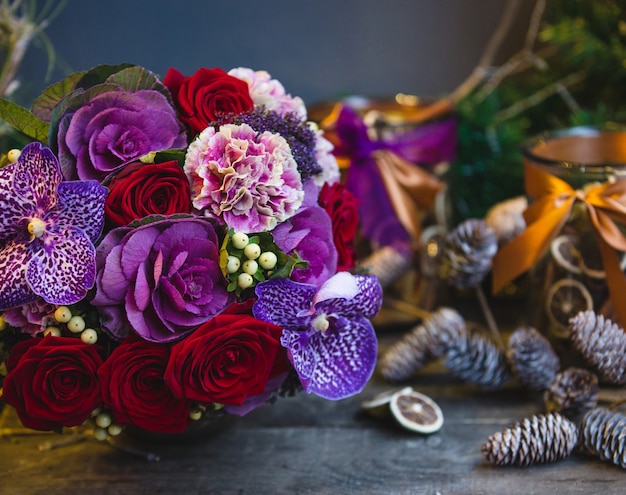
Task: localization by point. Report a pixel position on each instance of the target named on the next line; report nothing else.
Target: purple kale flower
(160, 280)
(309, 233)
(327, 333)
(246, 180)
(47, 231)
(113, 128)
(31, 318)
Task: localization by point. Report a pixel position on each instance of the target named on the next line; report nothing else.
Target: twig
(406, 308)
(149, 456)
(536, 98)
(486, 60)
(63, 441)
(491, 322)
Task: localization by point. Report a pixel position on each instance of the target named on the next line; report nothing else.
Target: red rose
(147, 189)
(227, 359)
(206, 95)
(134, 389)
(341, 206)
(53, 382)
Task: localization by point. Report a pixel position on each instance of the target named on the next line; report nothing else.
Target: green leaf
(169, 155)
(23, 120)
(100, 74)
(44, 104)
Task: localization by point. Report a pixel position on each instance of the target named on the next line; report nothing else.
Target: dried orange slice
(378, 405)
(565, 299)
(416, 411)
(564, 251)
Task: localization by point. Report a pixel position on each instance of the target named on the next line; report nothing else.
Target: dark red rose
(147, 189)
(206, 95)
(134, 389)
(341, 206)
(53, 382)
(227, 359)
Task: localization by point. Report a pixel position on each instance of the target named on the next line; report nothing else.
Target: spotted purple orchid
(327, 333)
(48, 228)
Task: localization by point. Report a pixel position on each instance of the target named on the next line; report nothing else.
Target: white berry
(244, 280)
(250, 266)
(13, 155)
(195, 414)
(240, 240)
(100, 434)
(89, 336)
(76, 324)
(252, 251)
(54, 331)
(62, 314)
(268, 260)
(114, 430)
(233, 264)
(103, 420)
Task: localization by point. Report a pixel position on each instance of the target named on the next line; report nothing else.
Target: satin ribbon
(546, 217)
(384, 175)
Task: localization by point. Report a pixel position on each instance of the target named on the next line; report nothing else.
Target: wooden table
(305, 445)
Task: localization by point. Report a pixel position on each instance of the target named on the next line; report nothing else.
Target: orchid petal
(280, 300)
(36, 176)
(341, 285)
(366, 302)
(65, 269)
(14, 290)
(81, 205)
(337, 363)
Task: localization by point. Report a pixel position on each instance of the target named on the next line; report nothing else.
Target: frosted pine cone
(468, 252)
(536, 440)
(388, 264)
(573, 391)
(474, 358)
(532, 358)
(421, 345)
(603, 433)
(602, 344)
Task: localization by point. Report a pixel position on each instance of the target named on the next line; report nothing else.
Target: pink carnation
(269, 92)
(248, 181)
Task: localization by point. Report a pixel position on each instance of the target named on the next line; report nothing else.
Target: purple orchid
(327, 333)
(47, 231)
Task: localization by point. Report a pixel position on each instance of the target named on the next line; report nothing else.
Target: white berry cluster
(252, 260)
(74, 323)
(104, 426)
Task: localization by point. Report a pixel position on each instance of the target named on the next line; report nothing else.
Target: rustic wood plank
(306, 445)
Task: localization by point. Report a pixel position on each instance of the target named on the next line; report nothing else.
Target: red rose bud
(147, 189)
(54, 382)
(341, 206)
(207, 95)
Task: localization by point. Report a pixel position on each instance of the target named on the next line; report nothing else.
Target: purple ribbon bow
(426, 145)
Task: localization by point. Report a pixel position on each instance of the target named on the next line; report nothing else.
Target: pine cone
(388, 264)
(603, 433)
(467, 255)
(474, 358)
(535, 440)
(602, 344)
(573, 391)
(423, 344)
(532, 358)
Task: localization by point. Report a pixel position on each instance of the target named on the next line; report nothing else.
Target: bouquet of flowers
(175, 249)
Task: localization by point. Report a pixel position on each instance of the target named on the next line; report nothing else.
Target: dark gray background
(319, 50)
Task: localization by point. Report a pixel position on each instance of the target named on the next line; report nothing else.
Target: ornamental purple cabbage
(114, 128)
(248, 181)
(47, 231)
(330, 341)
(160, 280)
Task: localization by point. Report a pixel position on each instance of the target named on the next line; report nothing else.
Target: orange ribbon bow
(546, 216)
